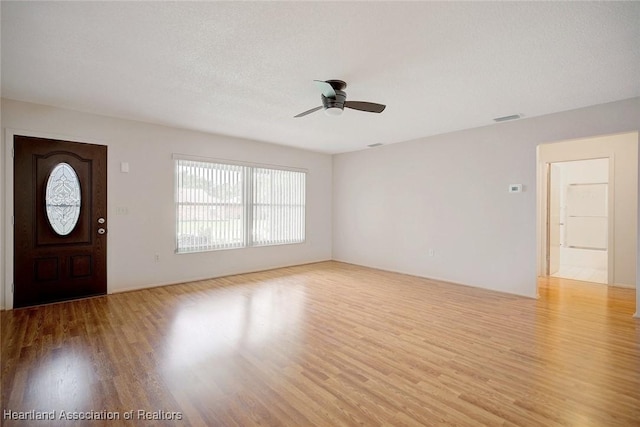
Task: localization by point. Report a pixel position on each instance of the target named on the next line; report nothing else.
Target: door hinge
(13, 152)
(13, 287)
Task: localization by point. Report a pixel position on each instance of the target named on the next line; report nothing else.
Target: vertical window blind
(278, 206)
(226, 206)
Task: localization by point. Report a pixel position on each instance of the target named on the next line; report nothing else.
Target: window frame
(247, 206)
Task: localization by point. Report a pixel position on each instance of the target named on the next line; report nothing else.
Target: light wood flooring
(329, 344)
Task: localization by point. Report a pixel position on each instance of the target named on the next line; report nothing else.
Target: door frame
(6, 281)
(542, 211)
(548, 257)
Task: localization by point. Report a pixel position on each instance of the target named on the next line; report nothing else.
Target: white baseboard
(438, 279)
(623, 285)
(197, 279)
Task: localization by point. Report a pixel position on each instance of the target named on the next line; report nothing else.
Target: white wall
(147, 192)
(448, 193)
(3, 267)
(391, 204)
(638, 247)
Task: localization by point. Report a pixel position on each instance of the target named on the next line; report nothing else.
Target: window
(63, 198)
(278, 206)
(225, 206)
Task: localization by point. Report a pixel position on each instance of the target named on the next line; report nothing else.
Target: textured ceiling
(246, 68)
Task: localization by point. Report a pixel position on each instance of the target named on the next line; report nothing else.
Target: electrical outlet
(156, 257)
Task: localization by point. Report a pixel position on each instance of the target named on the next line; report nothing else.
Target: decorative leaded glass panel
(62, 199)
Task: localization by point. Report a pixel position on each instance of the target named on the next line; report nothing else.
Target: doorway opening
(578, 220)
(619, 196)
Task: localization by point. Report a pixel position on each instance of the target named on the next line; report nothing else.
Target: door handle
(101, 230)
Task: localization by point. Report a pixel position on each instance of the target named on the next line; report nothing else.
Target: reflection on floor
(582, 273)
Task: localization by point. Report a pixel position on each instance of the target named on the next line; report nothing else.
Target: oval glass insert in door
(63, 199)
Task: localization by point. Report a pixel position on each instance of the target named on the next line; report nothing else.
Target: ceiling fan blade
(326, 88)
(370, 107)
(308, 111)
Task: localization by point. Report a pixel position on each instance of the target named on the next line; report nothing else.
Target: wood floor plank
(328, 344)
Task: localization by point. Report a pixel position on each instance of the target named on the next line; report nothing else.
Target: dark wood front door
(60, 222)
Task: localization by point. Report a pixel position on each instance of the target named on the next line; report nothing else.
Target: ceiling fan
(334, 99)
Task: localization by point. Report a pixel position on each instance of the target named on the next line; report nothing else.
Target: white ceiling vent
(507, 118)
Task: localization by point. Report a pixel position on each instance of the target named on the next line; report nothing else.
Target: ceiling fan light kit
(334, 100)
(333, 111)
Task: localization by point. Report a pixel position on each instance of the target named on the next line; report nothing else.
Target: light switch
(124, 167)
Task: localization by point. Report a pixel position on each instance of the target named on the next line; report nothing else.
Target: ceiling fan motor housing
(338, 102)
